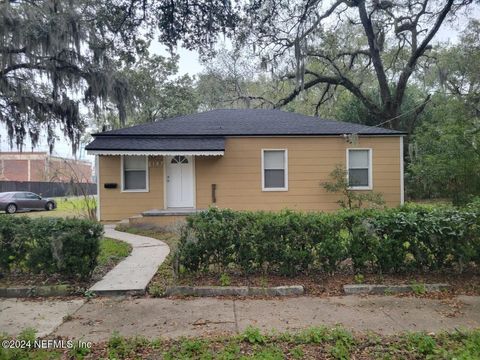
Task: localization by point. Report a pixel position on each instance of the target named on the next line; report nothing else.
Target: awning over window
(142, 145)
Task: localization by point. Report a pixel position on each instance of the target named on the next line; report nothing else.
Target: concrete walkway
(132, 275)
(170, 318)
(95, 320)
(44, 316)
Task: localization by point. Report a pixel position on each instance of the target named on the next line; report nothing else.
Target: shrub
(51, 245)
(286, 242)
(414, 238)
(408, 238)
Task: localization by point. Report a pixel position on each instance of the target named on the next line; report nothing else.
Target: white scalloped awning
(155, 153)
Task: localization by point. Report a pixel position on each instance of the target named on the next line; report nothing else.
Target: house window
(135, 173)
(274, 170)
(359, 163)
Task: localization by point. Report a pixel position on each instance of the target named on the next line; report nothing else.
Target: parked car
(11, 202)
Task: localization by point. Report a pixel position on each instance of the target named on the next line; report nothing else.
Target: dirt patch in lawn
(111, 253)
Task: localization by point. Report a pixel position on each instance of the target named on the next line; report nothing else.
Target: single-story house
(240, 159)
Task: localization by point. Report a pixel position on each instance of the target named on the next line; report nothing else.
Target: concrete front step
(163, 217)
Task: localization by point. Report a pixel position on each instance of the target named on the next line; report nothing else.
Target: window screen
(274, 169)
(134, 173)
(359, 168)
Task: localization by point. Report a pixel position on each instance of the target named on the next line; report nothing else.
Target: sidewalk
(173, 318)
(133, 274)
(96, 319)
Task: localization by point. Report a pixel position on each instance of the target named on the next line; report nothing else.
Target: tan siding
(310, 161)
(118, 205)
(237, 175)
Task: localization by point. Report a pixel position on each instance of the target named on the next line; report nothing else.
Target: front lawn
(111, 253)
(66, 207)
(311, 343)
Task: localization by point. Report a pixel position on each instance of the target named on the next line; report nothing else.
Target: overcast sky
(189, 63)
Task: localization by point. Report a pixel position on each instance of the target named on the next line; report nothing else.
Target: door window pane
(179, 160)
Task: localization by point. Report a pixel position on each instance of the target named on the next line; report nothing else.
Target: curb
(209, 291)
(391, 289)
(114, 293)
(33, 291)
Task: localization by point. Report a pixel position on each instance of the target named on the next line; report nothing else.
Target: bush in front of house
(414, 238)
(286, 242)
(408, 238)
(49, 245)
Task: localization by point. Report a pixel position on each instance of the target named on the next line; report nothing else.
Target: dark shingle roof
(157, 143)
(249, 122)
(205, 131)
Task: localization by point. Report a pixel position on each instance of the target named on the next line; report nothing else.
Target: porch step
(163, 217)
(171, 212)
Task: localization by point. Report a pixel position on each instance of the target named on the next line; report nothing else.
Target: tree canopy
(56, 54)
(374, 49)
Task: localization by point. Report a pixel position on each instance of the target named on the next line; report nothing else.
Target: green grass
(66, 207)
(315, 342)
(112, 251)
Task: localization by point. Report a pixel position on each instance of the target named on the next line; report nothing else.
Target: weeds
(225, 280)
(253, 336)
(418, 289)
(322, 342)
(359, 279)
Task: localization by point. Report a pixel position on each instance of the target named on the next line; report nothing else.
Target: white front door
(179, 177)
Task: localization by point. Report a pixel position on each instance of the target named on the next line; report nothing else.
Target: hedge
(408, 238)
(49, 245)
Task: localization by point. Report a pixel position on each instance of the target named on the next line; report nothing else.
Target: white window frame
(122, 176)
(370, 169)
(285, 188)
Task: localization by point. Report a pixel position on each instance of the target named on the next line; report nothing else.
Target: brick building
(40, 166)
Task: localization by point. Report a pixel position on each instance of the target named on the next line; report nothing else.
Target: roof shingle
(206, 130)
(248, 122)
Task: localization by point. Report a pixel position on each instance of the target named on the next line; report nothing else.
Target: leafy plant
(225, 280)
(422, 343)
(69, 247)
(351, 199)
(359, 279)
(404, 239)
(253, 335)
(297, 352)
(418, 289)
(89, 294)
